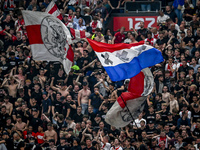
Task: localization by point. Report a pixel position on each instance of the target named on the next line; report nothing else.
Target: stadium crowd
(41, 107)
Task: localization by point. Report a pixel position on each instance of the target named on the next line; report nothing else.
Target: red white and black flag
(76, 34)
(53, 9)
(49, 38)
(130, 104)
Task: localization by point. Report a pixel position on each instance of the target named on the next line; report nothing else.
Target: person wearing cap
(63, 89)
(13, 60)
(171, 121)
(50, 134)
(35, 121)
(151, 129)
(83, 98)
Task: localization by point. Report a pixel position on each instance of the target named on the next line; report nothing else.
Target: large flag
(53, 9)
(123, 61)
(140, 86)
(49, 38)
(76, 35)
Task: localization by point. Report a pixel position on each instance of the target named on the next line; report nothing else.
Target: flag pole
(129, 112)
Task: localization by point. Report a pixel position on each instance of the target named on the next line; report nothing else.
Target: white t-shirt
(173, 67)
(189, 114)
(162, 19)
(137, 121)
(116, 148)
(106, 146)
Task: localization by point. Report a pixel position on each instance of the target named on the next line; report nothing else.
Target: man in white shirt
(162, 18)
(105, 145)
(80, 25)
(116, 145)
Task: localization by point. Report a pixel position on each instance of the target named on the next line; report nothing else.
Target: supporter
(171, 14)
(161, 20)
(95, 23)
(83, 98)
(188, 13)
(114, 4)
(119, 37)
(80, 25)
(149, 38)
(31, 89)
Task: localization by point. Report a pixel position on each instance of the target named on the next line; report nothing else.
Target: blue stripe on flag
(123, 71)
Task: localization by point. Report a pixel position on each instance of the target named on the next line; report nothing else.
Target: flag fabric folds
(49, 38)
(123, 61)
(53, 9)
(140, 86)
(76, 35)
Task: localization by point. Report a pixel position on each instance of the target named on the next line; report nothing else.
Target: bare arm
(53, 87)
(55, 137)
(53, 112)
(66, 79)
(110, 5)
(5, 83)
(113, 40)
(11, 109)
(73, 106)
(79, 98)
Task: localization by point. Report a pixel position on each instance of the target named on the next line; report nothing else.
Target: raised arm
(5, 83)
(51, 85)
